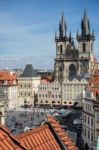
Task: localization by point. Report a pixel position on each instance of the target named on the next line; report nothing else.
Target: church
(74, 64)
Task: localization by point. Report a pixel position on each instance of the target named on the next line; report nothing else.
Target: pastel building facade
(28, 85)
(9, 85)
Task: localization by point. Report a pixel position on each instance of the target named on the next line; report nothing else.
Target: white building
(9, 85)
(28, 85)
(72, 91)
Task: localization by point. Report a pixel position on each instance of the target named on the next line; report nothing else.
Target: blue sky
(27, 29)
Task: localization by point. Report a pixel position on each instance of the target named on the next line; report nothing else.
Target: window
(52, 96)
(61, 49)
(91, 46)
(91, 136)
(56, 96)
(88, 120)
(85, 132)
(91, 122)
(88, 135)
(85, 118)
(97, 118)
(84, 47)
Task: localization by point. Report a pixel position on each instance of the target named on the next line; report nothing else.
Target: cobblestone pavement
(22, 119)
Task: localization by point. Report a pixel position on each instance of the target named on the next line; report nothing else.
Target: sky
(27, 29)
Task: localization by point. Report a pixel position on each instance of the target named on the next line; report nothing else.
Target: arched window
(91, 46)
(84, 47)
(72, 70)
(70, 102)
(61, 49)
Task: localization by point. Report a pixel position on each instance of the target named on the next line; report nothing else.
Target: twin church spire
(85, 27)
(62, 27)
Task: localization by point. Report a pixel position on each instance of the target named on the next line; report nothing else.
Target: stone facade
(73, 64)
(70, 60)
(28, 85)
(9, 85)
(49, 93)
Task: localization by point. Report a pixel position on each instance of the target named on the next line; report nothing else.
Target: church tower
(85, 45)
(66, 61)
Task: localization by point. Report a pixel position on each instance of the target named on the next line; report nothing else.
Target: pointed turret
(85, 25)
(62, 27)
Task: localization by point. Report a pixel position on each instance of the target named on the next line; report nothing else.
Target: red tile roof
(62, 134)
(39, 139)
(50, 136)
(93, 85)
(7, 76)
(9, 142)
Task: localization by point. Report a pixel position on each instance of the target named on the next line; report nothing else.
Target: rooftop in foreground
(49, 136)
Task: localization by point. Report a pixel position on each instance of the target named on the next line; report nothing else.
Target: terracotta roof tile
(9, 142)
(50, 136)
(39, 138)
(7, 76)
(63, 136)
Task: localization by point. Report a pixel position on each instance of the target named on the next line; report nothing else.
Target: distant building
(3, 104)
(72, 91)
(44, 73)
(91, 113)
(9, 85)
(29, 82)
(49, 93)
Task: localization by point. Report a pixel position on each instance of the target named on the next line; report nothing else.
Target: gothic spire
(62, 27)
(85, 25)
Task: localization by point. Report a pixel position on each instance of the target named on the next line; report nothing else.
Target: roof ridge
(61, 143)
(11, 136)
(34, 130)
